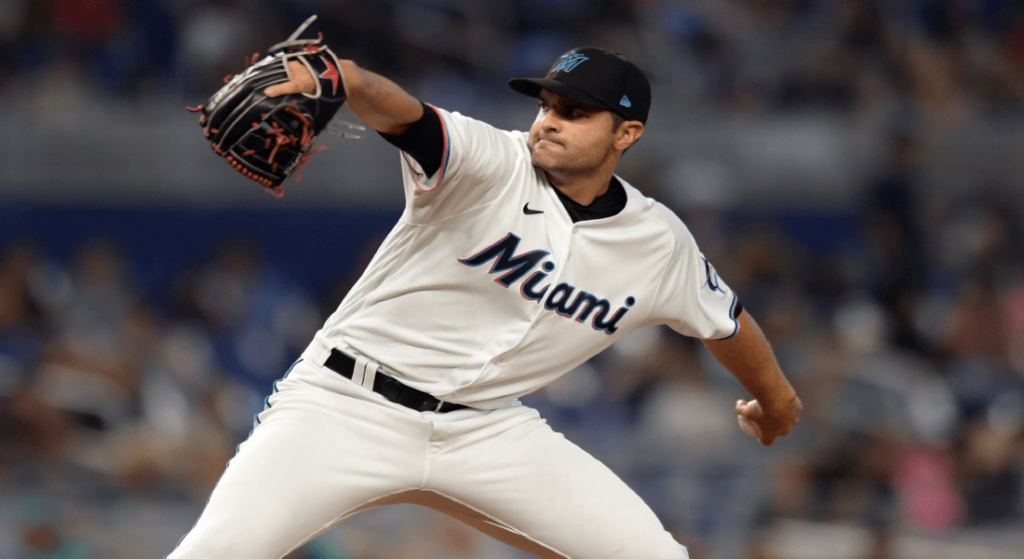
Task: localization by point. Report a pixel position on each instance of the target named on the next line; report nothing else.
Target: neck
(582, 189)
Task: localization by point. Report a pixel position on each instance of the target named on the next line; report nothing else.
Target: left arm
(377, 101)
(775, 409)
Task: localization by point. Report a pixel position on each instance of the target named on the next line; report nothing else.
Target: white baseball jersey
(485, 290)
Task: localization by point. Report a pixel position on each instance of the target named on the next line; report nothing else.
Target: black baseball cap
(597, 78)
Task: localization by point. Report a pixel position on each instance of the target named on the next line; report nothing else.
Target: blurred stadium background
(853, 168)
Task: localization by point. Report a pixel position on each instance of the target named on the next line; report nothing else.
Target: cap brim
(532, 87)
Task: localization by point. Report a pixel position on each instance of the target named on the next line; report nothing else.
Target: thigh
(545, 491)
(315, 458)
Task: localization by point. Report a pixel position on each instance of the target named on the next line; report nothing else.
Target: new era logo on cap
(597, 78)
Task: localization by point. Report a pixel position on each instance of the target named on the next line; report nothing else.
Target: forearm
(379, 102)
(749, 357)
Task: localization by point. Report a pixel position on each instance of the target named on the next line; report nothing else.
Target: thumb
(750, 410)
(746, 415)
(286, 88)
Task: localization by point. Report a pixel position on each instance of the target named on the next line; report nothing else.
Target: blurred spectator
(255, 317)
(945, 58)
(894, 237)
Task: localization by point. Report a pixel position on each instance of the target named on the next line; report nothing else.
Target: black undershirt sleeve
(423, 141)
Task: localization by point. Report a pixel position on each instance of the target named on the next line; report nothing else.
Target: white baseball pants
(327, 449)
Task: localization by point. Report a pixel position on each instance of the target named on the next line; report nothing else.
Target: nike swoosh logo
(528, 211)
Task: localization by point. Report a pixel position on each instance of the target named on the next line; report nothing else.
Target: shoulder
(470, 139)
(458, 121)
(654, 214)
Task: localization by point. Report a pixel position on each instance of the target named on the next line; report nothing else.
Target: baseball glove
(266, 139)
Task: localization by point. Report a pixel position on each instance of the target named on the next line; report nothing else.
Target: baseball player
(519, 256)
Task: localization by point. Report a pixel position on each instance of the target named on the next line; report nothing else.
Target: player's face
(569, 137)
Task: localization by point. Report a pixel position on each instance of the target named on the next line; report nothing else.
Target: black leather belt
(390, 388)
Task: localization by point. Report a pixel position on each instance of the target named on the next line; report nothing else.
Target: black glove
(266, 139)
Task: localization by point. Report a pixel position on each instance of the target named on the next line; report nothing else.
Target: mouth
(549, 141)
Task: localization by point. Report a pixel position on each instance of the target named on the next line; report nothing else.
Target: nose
(548, 120)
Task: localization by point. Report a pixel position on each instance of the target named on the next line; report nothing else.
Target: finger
(750, 410)
(286, 88)
(749, 427)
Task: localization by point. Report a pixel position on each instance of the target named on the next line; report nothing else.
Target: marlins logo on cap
(568, 61)
(597, 78)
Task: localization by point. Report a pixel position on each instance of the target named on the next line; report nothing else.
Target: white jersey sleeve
(476, 164)
(691, 298)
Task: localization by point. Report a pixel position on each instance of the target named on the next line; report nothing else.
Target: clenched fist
(766, 425)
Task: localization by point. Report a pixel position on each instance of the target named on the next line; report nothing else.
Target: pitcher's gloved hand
(268, 138)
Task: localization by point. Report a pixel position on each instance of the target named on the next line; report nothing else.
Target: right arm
(377, 101)
(748, 356)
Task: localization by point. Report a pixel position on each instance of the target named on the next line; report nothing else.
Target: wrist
(778, 398)
(351, 77)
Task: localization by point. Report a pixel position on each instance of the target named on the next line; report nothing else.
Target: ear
(628, 133)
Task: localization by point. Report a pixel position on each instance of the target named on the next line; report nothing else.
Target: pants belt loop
(359, 371)
(370, 376)
(365, 372)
